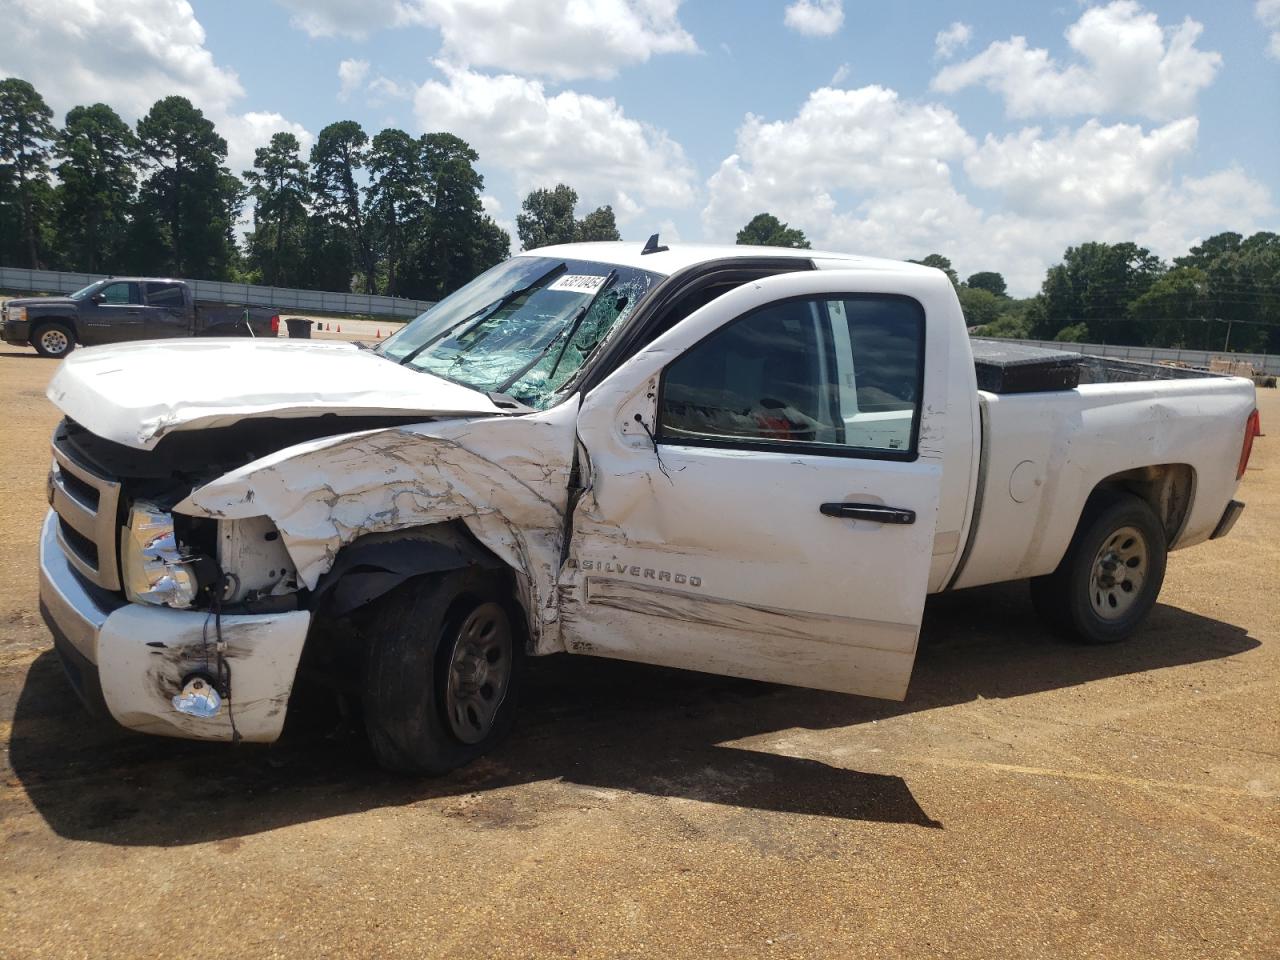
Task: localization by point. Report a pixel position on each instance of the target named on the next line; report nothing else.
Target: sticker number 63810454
(578, 283)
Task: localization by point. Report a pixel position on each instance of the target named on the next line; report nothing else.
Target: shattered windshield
(524, 328)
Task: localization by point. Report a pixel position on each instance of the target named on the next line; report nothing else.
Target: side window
(119, 294)
(842, 374)
(165, 295)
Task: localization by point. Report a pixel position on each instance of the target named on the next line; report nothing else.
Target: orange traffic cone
(378, 335)
(339, 328)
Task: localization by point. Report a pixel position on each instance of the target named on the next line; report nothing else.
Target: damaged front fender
(506, 478)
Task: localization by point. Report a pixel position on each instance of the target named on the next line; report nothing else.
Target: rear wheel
(1110, 577)
(444, 662)
(53, 340)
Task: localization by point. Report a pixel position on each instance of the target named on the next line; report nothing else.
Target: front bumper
(130, 659)
(16, 332)
(75, 613)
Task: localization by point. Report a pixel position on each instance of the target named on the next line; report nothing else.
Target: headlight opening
(157, 568)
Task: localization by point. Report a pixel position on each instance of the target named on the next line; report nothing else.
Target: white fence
(283, 298)
(1262, 362)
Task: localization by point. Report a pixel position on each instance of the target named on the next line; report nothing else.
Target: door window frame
(121, 283)
(908, 455)
(666, 296)
(146, 292)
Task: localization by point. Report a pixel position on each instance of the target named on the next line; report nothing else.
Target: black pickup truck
(127, 308)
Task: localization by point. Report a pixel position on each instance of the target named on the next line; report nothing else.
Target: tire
(440, 680)
(1110, 577)
(53, 340)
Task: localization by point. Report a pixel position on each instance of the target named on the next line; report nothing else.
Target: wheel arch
(375, 564)
(57, 319)
(1168, 488)
(36, 324)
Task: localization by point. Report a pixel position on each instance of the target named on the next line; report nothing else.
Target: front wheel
(1110, 577)
(443, 665)
(53, 340)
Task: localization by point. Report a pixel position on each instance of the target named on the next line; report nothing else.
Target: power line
(1088, 320)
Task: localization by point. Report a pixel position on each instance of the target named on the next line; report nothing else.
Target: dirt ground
(1029, 799)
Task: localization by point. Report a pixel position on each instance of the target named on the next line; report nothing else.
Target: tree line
(402, 216)
(1224, 294)
(391, 214)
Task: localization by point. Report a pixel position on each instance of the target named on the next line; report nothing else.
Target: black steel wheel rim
(479, 671)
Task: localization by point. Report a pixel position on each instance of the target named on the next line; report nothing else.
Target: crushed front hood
(137, 393)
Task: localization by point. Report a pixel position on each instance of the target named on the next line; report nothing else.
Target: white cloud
(561, 39)
(123, 52)
(1169, 217)
(129, 53)
(948, 41)
(860, 141)
(841, 75)
(625, 209)
(1110, 170)
(815, 18)
(1128, 64)
(351, 77)
(541, 138)
(351, 18)
(865, 171)
(668, 232)
(382, 88)
(1181, 215)
(1107, 183)
(1268, 14)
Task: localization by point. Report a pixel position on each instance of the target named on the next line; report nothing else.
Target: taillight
(1252, 428)
(275, 324)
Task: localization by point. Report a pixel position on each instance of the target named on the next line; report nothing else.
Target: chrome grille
(86, 505)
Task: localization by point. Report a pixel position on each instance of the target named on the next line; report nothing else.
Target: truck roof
(679, 255)
(141, 279)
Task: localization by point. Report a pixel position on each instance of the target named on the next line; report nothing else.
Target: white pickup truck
(746, 461)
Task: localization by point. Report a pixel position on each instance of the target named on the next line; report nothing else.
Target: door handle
(875, 512)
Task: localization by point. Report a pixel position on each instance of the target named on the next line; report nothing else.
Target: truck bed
(1042, 454)
(1006, 367)
(215, 319)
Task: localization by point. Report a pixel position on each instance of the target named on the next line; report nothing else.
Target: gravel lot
(1029, 799)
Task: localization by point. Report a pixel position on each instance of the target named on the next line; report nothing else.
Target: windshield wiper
(484, 313)
(573, 329)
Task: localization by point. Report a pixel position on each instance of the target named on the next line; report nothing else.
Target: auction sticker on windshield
(578, 283)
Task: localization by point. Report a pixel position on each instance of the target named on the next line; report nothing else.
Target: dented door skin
(718, 557)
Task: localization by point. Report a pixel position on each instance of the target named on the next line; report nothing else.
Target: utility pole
(1226, 343)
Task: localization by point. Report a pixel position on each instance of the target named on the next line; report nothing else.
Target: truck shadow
(602, 725)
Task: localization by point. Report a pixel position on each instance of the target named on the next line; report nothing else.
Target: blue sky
(993, 132)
